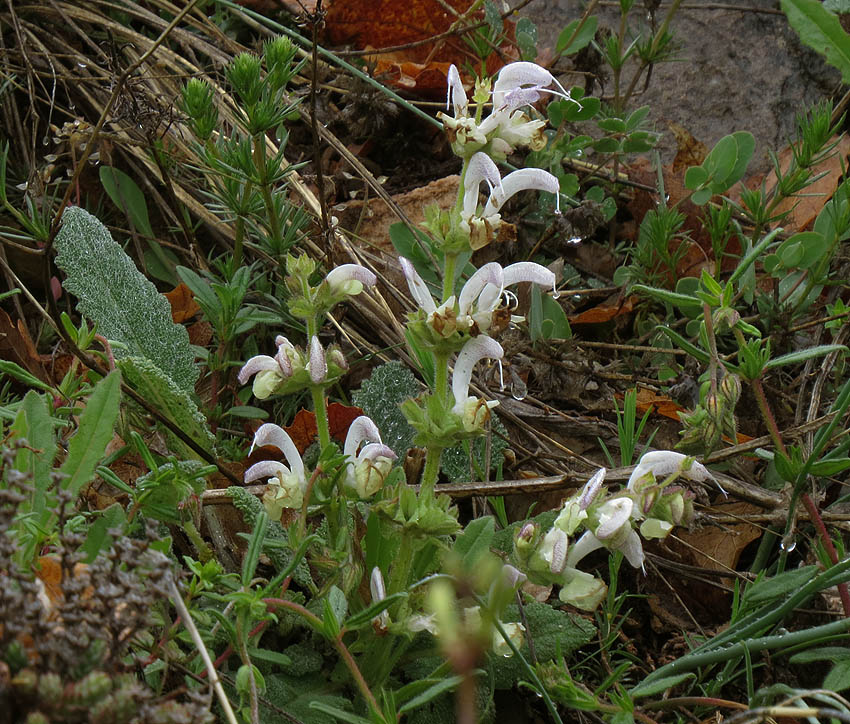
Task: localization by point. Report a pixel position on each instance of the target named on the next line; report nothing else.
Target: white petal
(376, 585)
(318, 364)
(256, 364)
(516, 75)
(418, 289)
(521, 180)
(582, 547)
(347, 272)
(376, 450)
(361, 429)
(456, 95)
(265, 469)
(528, 271)
(632, 549)
(480, 168)
(488, 274)
(663, 463)
(271, 434)
(613, 515)
(473, 351)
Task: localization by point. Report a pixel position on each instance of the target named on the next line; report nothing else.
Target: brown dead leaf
(183, 304)
(606, 311)
(689, 151)
(807, 206)
(662, 404)
(718, 548)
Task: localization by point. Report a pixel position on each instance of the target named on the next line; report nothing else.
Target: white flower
(271, 371)
(481, 168)
(575, 508)
(516, 634)
(657, 465)
(583, 590)
(350, 279)
(507, 127)
(366, 470)
(479, 299)
(287, 484)
(614, 531)
(474, 411)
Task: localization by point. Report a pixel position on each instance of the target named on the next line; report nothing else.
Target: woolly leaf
(125, 306)
(175, 403)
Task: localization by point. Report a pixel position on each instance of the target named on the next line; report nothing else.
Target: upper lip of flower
(363, 430)
(482, 168)
(276, 436)
(486, 285)
(473, 351)
(262, 362)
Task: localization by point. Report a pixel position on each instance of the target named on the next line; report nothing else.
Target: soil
(739, 66)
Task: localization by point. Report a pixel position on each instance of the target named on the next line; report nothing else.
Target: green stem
(449, 276)
(753, 646)
(321, 410)
(338, 644)
(431, 471)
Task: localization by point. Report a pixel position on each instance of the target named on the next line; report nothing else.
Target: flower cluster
(650, 504)
(507, 127)
(366, 467)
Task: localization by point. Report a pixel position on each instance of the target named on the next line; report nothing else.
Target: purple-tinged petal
(418, 289)
(265, 469)
(591, 489)
(663, 463)
(375, 450)
(473, 351)
(271, 434)
(260, 363)
(318, 364)
(488, 274)
(360, 430)
(516, 75)
(521, 180)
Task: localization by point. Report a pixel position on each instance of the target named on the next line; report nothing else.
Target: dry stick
(177, 600)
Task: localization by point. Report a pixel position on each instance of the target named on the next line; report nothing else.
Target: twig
(177, 599)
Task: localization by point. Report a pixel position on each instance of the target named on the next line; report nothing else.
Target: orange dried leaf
(303, 429)
(662, 404)
(183, 304)
(605, 312)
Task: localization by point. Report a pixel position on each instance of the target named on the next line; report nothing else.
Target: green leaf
(172, 401)
(113, 293)
(821, 31)
(567, 44)
(97, 423)
(824, 653)
(128, 197)
(838, 679)
(685, 302)
(34, 424)
(780, 586)
(338, 714)
(21, 375)
(475, 541)
(659, 685)
(833, 466)
(97, 538)
(364, 617)
(432, 692)
(801, 355)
